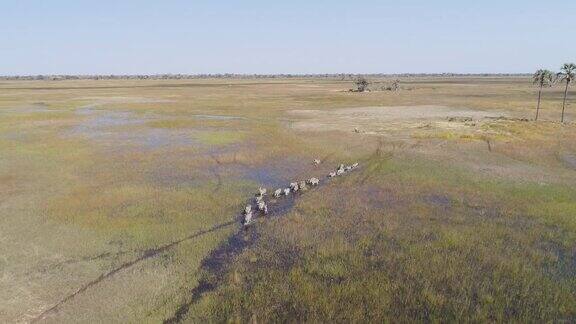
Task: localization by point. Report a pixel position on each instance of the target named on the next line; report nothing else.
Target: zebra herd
(262, 207)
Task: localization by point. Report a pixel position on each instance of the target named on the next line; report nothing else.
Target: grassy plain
(112, 193)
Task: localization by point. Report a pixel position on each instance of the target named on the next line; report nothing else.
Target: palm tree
(541, 78)
(567, 73)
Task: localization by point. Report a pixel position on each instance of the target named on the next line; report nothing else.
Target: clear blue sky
(257, 36)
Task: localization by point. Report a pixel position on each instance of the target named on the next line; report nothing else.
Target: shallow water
(104, 119)
(99, 121)
(268, 176)
(114, 127)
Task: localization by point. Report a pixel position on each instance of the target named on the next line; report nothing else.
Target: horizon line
(56, 77)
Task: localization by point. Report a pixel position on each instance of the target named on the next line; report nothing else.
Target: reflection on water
(114, 128)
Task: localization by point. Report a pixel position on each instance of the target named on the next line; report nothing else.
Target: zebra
(277, 193)
(313, 181)
(294, 186)
(247, 214)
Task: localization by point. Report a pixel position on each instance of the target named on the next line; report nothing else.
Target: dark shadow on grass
(145, 255)
(215, 265)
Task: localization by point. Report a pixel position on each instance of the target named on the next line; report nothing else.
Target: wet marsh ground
(119, 202)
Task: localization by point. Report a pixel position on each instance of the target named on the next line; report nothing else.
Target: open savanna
(114, 196)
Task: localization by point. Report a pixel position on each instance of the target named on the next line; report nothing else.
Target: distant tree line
(546, 78)
(337, 76)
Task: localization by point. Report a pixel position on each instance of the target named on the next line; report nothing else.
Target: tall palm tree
(542, 78)
(567, 73)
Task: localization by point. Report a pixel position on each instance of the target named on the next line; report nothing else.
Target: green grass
(412, 259)
(417, 234)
